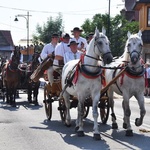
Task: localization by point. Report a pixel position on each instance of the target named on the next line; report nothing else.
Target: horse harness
(72, 75)
(129, 72)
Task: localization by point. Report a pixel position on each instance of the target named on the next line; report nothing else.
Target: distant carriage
(16, 76)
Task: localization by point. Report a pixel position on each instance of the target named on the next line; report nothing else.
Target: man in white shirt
(60, 50)
(49, 50)
(82, 41)
(90, 37)
(73, 53)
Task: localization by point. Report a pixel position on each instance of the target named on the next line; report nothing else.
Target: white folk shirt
(80, 40)
(71, 56)
(47, 49)
(60, 50)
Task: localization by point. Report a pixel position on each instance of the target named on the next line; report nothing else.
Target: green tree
(44, 33)
(118, 28)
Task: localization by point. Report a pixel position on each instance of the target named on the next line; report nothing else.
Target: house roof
(137, 5)
(6, 42)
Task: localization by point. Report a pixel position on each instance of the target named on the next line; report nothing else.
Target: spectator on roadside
(146, 80)
(48, 51)
(74, 53)
(82, 41)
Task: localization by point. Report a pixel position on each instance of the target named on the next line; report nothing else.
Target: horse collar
(88, 74)
(130, 72)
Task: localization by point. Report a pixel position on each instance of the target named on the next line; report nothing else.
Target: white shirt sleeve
(47, 49)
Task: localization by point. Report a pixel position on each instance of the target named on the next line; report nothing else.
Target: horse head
(16, 56)
(134, 46)
(35, 60)
(101, 46)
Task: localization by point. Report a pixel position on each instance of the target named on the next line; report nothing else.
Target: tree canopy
(44, 33)
(116, 27)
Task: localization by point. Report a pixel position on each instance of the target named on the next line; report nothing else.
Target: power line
(65, 12)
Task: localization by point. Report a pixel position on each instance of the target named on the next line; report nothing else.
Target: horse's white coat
(86, 87)
(128, 86)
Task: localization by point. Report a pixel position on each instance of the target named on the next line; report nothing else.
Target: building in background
(139, 10)
(6, 43)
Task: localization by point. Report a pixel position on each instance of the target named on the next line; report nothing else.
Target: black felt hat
(72, 43)
(55, 35)
(76, 29)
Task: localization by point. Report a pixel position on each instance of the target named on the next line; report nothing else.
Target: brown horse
(25, 72)
(10, 77)
(33, 87)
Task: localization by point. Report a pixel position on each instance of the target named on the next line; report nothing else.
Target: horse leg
(140, 99)
(79, 121)
(127, 113)
(111, 104)
(66, 97)
(35, 93)
(7, 96)
(95, 98)
(29, 93)
(14, 91)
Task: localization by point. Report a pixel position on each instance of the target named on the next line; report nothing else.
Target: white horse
(87, 80)
(130, 83)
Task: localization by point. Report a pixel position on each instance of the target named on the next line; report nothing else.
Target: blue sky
(74, 13)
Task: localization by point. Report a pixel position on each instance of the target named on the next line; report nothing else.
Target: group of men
(64, 51)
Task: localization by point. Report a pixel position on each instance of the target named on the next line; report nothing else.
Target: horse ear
(104, 30)
(96, 32)
(128, 34)
(140, 33)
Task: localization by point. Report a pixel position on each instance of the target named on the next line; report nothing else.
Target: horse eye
(129, 45)
(100, 43)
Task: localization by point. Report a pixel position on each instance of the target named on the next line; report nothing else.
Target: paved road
(26, 128)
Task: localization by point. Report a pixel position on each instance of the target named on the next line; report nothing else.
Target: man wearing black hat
(73, 53)
(89, 37)
(48, 50)
(60, 50)
(82, 41)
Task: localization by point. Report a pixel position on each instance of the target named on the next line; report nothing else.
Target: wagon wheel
(104, 108)
(47, 102)
(86, 111)
(62, 109)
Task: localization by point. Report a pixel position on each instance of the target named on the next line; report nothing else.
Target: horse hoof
(35, 103)
(124, 125)
(97, 137)
(129, 133)
(114, 126)
(80, 133)
(30, 101)
(67, 125)
(137, 122)
(13, 105)
(76, 129)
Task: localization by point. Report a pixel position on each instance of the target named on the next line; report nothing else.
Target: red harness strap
(130, 76)
(77, 71)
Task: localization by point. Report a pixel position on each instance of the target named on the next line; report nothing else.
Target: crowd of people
(65, 50)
